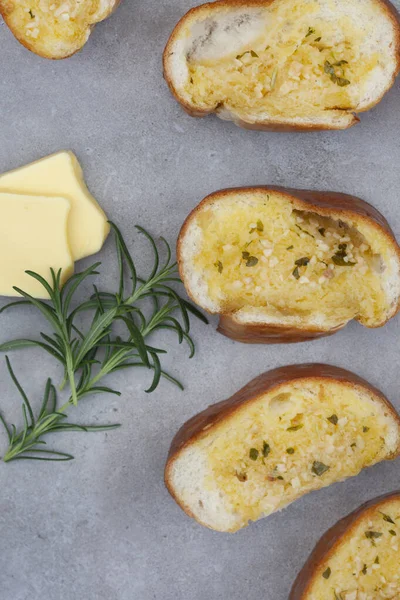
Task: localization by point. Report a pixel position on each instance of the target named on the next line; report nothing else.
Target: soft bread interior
(254, 254)
(285, 61)
(300, 437)
(54, 28)
(365, 565)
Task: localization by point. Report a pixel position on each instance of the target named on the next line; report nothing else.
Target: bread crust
(273, 125)
(199, 426)
(327, 545)
(324, 203)
(6, 7)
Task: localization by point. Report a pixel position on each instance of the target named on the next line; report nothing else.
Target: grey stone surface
(103, 527)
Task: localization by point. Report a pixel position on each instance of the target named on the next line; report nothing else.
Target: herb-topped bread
(283, 265)
(284, 64)
(54, 28)
(358, 558)
(288, 432)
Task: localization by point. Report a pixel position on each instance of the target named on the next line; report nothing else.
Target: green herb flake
(290, 450)
(353, 445)
(364, 569)
(318, 468)
(329, 69)
(387, 518)
(376, 561)
(342, 82)
(392, 532)
(253, 454)
(280, 478)
(302, 262)
(219, 266)
(251, 261)
(290, 248)
(267, 47)
(322, 231)
(295, 427)
(241, 476)
(310, 31)
(253, 54)
(31, 14)
(338, 260)
(296, 273)
(245, 255)
(327, 573)
(365, 429)
(373, 535)
(266, 449)
(333, 419)
(318, 39)
(304, 231)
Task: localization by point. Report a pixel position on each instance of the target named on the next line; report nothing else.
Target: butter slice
(33, 236)
(60, 174)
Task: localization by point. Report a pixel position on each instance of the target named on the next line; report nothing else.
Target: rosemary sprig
(89, 356)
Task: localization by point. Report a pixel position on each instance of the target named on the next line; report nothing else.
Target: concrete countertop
(103, 527)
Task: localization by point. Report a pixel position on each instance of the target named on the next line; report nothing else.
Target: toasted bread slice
(54, 28)
(284, 265)
(284, 64)
(358, 558)
(288, 432)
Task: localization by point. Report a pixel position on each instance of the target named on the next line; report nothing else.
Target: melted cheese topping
(365, 565)
(263, 253)
(303, 438)
(303, 64)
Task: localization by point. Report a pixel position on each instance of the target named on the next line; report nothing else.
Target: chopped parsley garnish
(327, 573)
(253, 54)
(322, 231)
(364, 569)
(329, 69)
(266, 449)
(251, 261)
(253, 454)
(353, 445)
(373, 535)
(387, 518)
(259, 227)
(376, 561)
(310, 31)
(318, 39)
(280, 477)
(31, 14)
(290, 450)
(295, 427)
(302, 262)
(219, 266)
(365, 429)
(304, 231)
(333, 419)
(318, 468)
(392, 532)
(339, 257)
(290, 248)
(241, 476)
(296, 273)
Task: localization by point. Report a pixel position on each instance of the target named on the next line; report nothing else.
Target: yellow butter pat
(33, 236)
(60, 174)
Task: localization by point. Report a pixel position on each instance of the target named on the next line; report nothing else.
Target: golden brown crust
(326, 546)
(324, 203)
(7, 7)
(195, 12)
(199, 425)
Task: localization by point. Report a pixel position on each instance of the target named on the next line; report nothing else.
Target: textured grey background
(103, 527)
